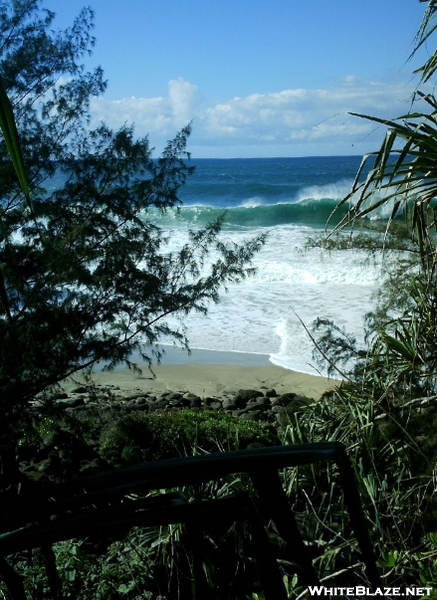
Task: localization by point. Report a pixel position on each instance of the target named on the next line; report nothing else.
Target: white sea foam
(253, 202)
(333, 191)
(259, 315)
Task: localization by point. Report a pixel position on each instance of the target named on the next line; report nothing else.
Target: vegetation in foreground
(86, 275)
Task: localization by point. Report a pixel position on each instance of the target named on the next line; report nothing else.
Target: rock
(209, 400)
(70, 402)
(229, 404)
(133, 397)
(263, 402)
(137, 407)
(66, 457)
(160, 404)
(283, 400)
(282, 417)
(81, 389)
(301, 400)
(253, 415)
(190, 396)
(244, 396)
(252, 406)
(181, 402)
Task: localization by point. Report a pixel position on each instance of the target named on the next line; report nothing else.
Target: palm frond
(401, 176)
(427, 27)
(10, 134)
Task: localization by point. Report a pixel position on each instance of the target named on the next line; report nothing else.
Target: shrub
(156, 436)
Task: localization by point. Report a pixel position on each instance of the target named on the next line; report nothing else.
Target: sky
(256, 78)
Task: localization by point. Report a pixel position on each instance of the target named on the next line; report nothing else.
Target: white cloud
(184, 99)
(164, 115)
(148, 114)
(293, 121)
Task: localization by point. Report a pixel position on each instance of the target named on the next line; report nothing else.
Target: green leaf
(125, 589)
(432, 538)
(391, 559)
(10, 133)
(70, 574)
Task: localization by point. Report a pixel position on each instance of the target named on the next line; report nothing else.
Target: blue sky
(256, 77)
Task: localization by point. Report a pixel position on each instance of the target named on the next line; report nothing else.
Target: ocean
(290, 199)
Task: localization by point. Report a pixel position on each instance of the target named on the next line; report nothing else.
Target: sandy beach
(212, 374)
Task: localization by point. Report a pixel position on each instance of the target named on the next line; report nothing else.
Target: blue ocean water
(290, 199)
(267, 192)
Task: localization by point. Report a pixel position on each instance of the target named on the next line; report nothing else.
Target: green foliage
(146, 564)
(10, 135)
(385, 412)
(154, 562)
(425, 32)
(155, 436)
(387, 444)
(401, 175)
(125, 571)
(400, 358)
(371, 236)
(86, 274)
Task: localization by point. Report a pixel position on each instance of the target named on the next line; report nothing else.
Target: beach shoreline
(210, 373)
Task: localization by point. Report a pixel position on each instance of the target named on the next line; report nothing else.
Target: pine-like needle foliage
(85, 272)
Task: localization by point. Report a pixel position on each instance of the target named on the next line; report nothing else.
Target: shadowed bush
(156, 436)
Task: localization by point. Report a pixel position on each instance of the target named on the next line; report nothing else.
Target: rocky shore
(73, 421)
(108, 401)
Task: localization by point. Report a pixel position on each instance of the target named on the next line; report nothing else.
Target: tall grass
(395, 481)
